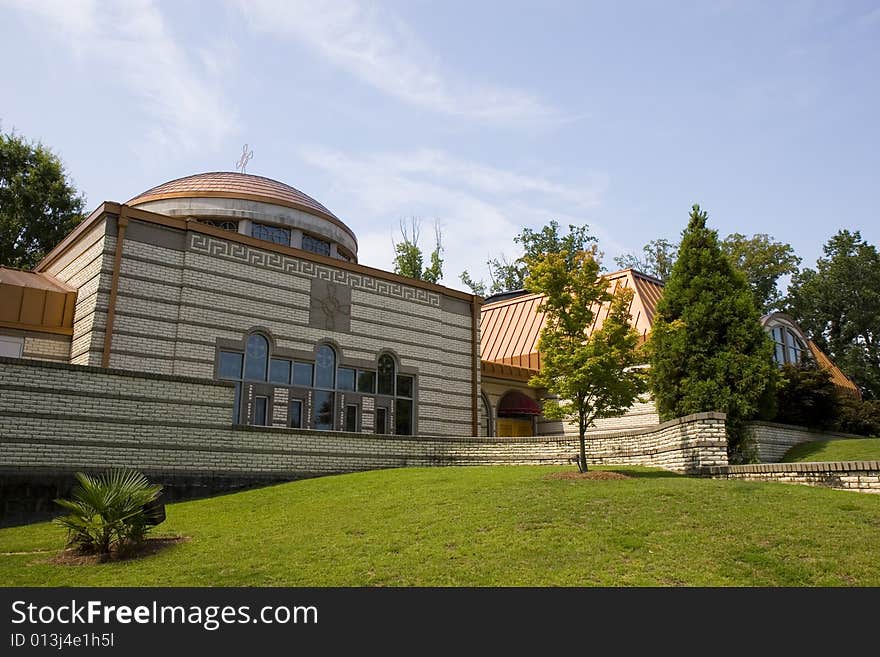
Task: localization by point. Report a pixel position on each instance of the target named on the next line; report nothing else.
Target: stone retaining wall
(862, 476)
(57, 418)
(773, 440)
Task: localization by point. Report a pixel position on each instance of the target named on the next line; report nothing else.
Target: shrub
(859, 417)
(108, 511)
(805, 395)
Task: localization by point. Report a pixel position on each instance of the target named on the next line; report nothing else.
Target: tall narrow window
(351, 418)
(296, 413)
(256, 358)
(325, 367)
(381, 420)
(403, 423)
(386, 375)
(261, 411)
(322, 418)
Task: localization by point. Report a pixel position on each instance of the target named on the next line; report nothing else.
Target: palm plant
(108, 510)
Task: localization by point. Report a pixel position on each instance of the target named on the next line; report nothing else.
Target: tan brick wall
(88, 266)
(59, 418)
(41, 346)
(180, 292)
(773, 440)
(860, 476)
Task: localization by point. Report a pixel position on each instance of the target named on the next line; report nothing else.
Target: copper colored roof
(492, 369)
(32, 280)
(838, 378)
(229, 184)
(510, 328)
(35, 302)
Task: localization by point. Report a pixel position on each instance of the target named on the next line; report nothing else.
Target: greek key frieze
(243, 253)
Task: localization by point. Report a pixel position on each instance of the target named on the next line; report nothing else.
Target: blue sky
(484, 116)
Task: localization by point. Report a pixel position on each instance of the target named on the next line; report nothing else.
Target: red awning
(518, 403)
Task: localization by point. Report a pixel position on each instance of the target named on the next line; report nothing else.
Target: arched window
(487, 412)
(325, 367)
(256, 358)
(386, 375)
(789, 348)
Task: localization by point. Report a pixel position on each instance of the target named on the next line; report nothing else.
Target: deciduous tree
(409, 259)
(763, 261)
(592, 375)
(38, 204)
(506, 275)
(838, 305)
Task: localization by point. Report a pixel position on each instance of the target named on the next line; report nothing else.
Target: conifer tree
(708, 351)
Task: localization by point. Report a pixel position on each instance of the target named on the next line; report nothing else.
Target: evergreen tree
(708, 351)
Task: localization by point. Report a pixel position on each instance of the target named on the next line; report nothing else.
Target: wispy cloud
(180, 95)
(381, 50)
(479, 207)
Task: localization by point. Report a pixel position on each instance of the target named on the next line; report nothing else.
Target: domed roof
(229, 184)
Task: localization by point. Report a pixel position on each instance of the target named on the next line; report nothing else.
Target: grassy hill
(856, 449)
(491, 526)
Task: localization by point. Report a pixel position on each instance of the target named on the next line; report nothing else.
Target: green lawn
(492, 526)
(856, 449)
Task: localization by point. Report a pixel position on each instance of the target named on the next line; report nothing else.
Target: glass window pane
(323, 411)
(381, 420)
(236, 404)
(315, 245)
(261, 407)
(271, 234)
(256, 358)
(779, 355)
(366, 382)
(403, 417)
(345, 378)
(279, 371)
(302, 374)
(351, 413)
(386, 375)
(404, 386)
(325, 367)
(230, 365)
(296, 413)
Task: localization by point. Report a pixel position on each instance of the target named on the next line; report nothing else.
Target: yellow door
(508, 427)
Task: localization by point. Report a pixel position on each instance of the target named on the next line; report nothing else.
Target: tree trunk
(582, 462)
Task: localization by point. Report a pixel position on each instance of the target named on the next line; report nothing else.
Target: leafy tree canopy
(658, 258)
(408, 258)
(506, 275)
(708, 351)
(762, 260)
(592, 375)
(838, 305)
(38, 205)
